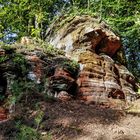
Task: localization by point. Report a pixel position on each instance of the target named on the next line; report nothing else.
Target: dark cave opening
(3, 86)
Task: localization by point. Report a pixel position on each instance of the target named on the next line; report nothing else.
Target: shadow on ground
(67, 120)
(75, 120)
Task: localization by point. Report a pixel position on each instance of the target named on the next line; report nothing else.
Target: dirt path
(74, 120)
(77, 121)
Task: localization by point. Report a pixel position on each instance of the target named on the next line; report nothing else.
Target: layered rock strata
(99, 52)
(54, 74)
(100, 79)
(85, 40)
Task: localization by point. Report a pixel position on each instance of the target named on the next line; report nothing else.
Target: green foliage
(23, 87)
(21, 63)
(39, 118)
(49, 49)
(17, 89)
(19, 59)
(26, 17)
(72, 66)
(26, 132)
(32, 18)
(3, 58)
(16, 60)
(37, 43)
(6, 47)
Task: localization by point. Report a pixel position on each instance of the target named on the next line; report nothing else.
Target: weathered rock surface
(3, 114)
(100, 79)
(87, 40)
(54, 73)
(93, 45)
(84, 32)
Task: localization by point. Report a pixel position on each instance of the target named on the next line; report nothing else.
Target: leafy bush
(26, 132)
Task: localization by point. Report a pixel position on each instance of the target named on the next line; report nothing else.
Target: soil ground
(75, 120)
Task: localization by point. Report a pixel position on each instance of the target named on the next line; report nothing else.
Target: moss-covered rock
(27, 66)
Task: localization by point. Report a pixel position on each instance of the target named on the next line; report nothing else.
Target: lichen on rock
(99, 52)
(27, 68)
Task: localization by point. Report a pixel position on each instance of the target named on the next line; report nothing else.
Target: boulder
(97, 49)
(82, 32)
(80, 61)
(33, 69)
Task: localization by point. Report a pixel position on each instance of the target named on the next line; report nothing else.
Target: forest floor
(75, 120)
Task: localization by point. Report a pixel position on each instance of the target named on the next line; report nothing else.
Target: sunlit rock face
(93, 45)
(96, 75)
(127, 82)
(101, 79)
(82, 32)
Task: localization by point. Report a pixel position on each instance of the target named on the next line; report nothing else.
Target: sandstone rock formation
(84, 40)
(93, 45)
(32, 68)
(84, 32)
